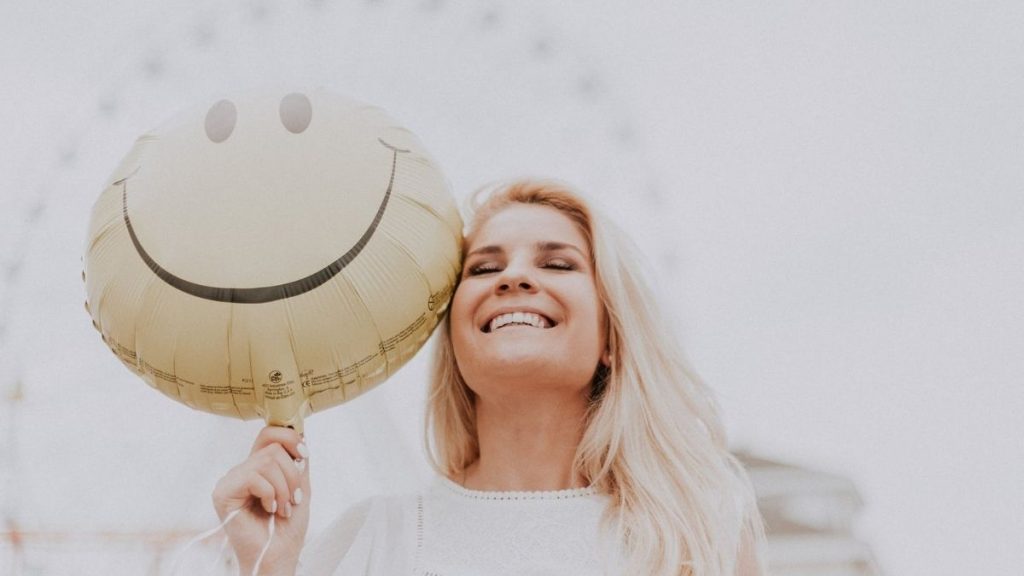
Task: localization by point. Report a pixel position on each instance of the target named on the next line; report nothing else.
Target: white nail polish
(303, 450)
(301, 465)
(298, 496)
(273, 507)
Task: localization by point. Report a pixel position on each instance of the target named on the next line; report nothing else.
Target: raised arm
(273, 480)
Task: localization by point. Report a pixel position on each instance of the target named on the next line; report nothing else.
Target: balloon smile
(263, 294)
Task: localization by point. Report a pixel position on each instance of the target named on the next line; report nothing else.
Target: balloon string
(270, 537)
(227, 519)
(200, 537)
(220, 555)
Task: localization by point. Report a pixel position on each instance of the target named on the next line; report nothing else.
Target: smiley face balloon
(270, 256)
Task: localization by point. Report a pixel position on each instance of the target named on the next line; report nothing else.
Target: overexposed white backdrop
(830, 194)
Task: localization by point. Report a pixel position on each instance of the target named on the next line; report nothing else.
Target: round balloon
(272, 255)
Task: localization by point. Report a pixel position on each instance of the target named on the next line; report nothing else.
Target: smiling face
(526, 315)
(250, 173)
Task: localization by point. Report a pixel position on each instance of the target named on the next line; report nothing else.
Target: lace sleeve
(325, 554)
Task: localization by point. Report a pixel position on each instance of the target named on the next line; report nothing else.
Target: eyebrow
(542, 246)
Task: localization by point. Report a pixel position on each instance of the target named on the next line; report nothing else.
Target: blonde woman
(568, 435)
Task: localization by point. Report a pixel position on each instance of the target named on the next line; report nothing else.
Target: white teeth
(521, 318)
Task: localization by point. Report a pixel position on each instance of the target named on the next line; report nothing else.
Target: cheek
(600, 338)
(600, 324)
(461, 310)
(461, 316)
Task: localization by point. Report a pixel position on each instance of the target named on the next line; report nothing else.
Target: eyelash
(560, 265)
(482, 269)
(490, 267)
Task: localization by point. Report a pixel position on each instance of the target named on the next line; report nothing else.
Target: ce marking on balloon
(262, 294)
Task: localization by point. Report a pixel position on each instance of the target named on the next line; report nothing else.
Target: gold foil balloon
(272, 255)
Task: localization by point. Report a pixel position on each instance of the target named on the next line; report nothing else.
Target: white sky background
(831, 194)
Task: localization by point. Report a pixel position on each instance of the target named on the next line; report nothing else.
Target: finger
(293, 471)
(303, 467)
(281, 496)
(263, 490)
(291, 440)
(234, 489)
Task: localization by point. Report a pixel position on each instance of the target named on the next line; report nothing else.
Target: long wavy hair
(681, 504)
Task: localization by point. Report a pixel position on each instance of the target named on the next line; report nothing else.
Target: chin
(532, 371)
(523, 364)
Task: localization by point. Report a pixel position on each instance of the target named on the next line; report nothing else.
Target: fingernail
(303, 451)
(301, 465)
(298, 496)
(273, 507)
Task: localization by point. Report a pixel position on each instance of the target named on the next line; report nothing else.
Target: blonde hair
(681, 504)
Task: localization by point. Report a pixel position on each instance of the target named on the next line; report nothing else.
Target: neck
(527, 443)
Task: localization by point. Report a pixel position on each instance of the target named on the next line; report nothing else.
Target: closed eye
(560, 265)
(483, 268)
(492, 267)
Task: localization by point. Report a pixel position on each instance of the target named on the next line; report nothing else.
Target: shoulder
(386, 512)
(328, 549)
(359, 533)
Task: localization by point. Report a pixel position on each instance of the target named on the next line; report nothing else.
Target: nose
(515, 279)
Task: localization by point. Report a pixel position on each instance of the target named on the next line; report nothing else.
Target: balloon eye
(220, 121)
(296, 112)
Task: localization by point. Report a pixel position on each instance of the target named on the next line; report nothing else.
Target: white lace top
(449, 530)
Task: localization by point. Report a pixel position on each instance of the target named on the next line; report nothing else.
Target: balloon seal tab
(295, 421)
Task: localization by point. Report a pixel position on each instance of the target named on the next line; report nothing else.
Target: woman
(568, 434)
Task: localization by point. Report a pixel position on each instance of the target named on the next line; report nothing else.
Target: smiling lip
(486, 328)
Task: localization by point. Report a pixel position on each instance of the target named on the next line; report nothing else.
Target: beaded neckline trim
(518, 495)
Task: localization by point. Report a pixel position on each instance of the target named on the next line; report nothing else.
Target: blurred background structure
(810, 521)
(831, 197)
